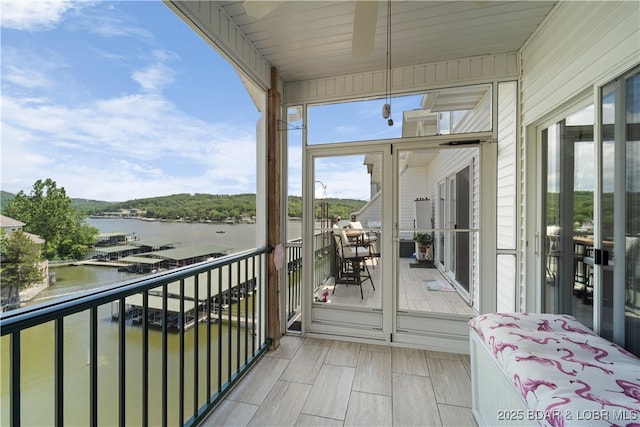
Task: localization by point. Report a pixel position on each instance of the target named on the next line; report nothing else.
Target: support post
(274, 207)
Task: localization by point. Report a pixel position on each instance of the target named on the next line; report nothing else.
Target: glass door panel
(437, 230)
(568, 148)
(608, 211)
(632, 226)
(348, 230)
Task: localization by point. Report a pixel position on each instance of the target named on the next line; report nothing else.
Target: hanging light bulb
(386, 108)
(386, 111)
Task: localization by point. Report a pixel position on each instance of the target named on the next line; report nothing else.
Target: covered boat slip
(228, 285)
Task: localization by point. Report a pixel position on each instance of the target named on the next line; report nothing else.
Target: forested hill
(203, 207)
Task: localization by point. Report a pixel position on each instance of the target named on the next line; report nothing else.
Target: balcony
(141, 364)
(323, 382)
(127, 354)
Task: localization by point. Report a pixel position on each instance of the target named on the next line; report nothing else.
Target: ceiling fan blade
(364, 28)
(260, 8)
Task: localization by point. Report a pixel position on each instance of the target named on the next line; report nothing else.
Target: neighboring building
(10, 225)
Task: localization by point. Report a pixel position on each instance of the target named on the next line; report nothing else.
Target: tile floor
(314, 382)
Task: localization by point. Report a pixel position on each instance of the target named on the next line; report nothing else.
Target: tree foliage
(210, 207)
(21, 259)
(47, 212)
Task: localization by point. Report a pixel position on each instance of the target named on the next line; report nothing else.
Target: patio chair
(368, 238)
(352, 256)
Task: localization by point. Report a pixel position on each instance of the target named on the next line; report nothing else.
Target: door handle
(600, 257)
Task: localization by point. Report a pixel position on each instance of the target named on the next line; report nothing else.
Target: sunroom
(490, 124)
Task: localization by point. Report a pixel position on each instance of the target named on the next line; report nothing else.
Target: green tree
(21, 259)
(47, 212)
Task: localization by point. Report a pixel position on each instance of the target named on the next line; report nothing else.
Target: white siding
(446, 163)
(506, 197)
(413, 185)
(581, 43)
(579, 46)
(478, 119)
(405, 79)
(212, 23)
(371, 214)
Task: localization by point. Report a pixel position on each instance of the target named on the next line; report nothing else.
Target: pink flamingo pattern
(569, 357)
(599, 352)
(553, 416)
(546, 361)
(623, 351)
(498, 347)
(585, 393)
(544, 326)
(509, 316)
(630, 389)
(543, 341)
(531, 385)
(505, 325)
(569, 328)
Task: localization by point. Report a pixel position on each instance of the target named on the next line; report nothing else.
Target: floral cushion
(566, 373)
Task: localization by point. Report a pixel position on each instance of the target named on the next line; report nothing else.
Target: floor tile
(414, 402)
(305, 420)
(329, 396)
(306, 364)
(231, 413)
(343, 353)
(451, 382)
(258, 382)
(456, 416)
(283, 405)
(373, 373)
(409, 361)
(369, 410)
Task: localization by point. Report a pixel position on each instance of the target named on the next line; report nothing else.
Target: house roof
(313, 39)
(10, 223)
(7, 222)
(180, 254)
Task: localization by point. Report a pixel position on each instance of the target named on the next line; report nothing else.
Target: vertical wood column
(274, 207)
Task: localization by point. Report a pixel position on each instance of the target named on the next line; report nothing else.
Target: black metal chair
(351, 261)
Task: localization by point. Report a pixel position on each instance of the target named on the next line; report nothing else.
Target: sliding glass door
(591, 214)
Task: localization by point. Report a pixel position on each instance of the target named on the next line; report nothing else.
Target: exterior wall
(506, 196)
(413, 184)
(405, 79)
(218, 29)
(442, 166)
(476, 119)
(580, 46)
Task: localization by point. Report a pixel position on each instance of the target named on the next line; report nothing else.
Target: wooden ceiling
(313, 39)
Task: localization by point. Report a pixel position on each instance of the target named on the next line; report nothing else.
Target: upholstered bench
(547, 369)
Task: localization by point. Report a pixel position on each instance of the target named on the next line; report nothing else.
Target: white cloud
(29, 70)
(34, 15)
(154, 77)
(122, 148)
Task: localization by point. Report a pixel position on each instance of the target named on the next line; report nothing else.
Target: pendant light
(386, 108)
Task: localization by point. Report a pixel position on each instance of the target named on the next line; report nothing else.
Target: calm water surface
(37, 345)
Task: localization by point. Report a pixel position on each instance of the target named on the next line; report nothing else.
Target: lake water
(37, 345)
(236, 237)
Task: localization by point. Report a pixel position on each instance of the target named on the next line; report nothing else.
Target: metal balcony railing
(162, 350)
(323, 266)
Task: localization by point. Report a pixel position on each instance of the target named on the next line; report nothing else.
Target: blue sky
(120, 100)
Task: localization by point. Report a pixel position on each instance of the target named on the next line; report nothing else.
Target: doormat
(439, 285)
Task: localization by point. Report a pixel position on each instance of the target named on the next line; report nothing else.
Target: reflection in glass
(632, 270)
(438, 112)
(608, 169)
(438, 232)
(347, 233)
(570, 163)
